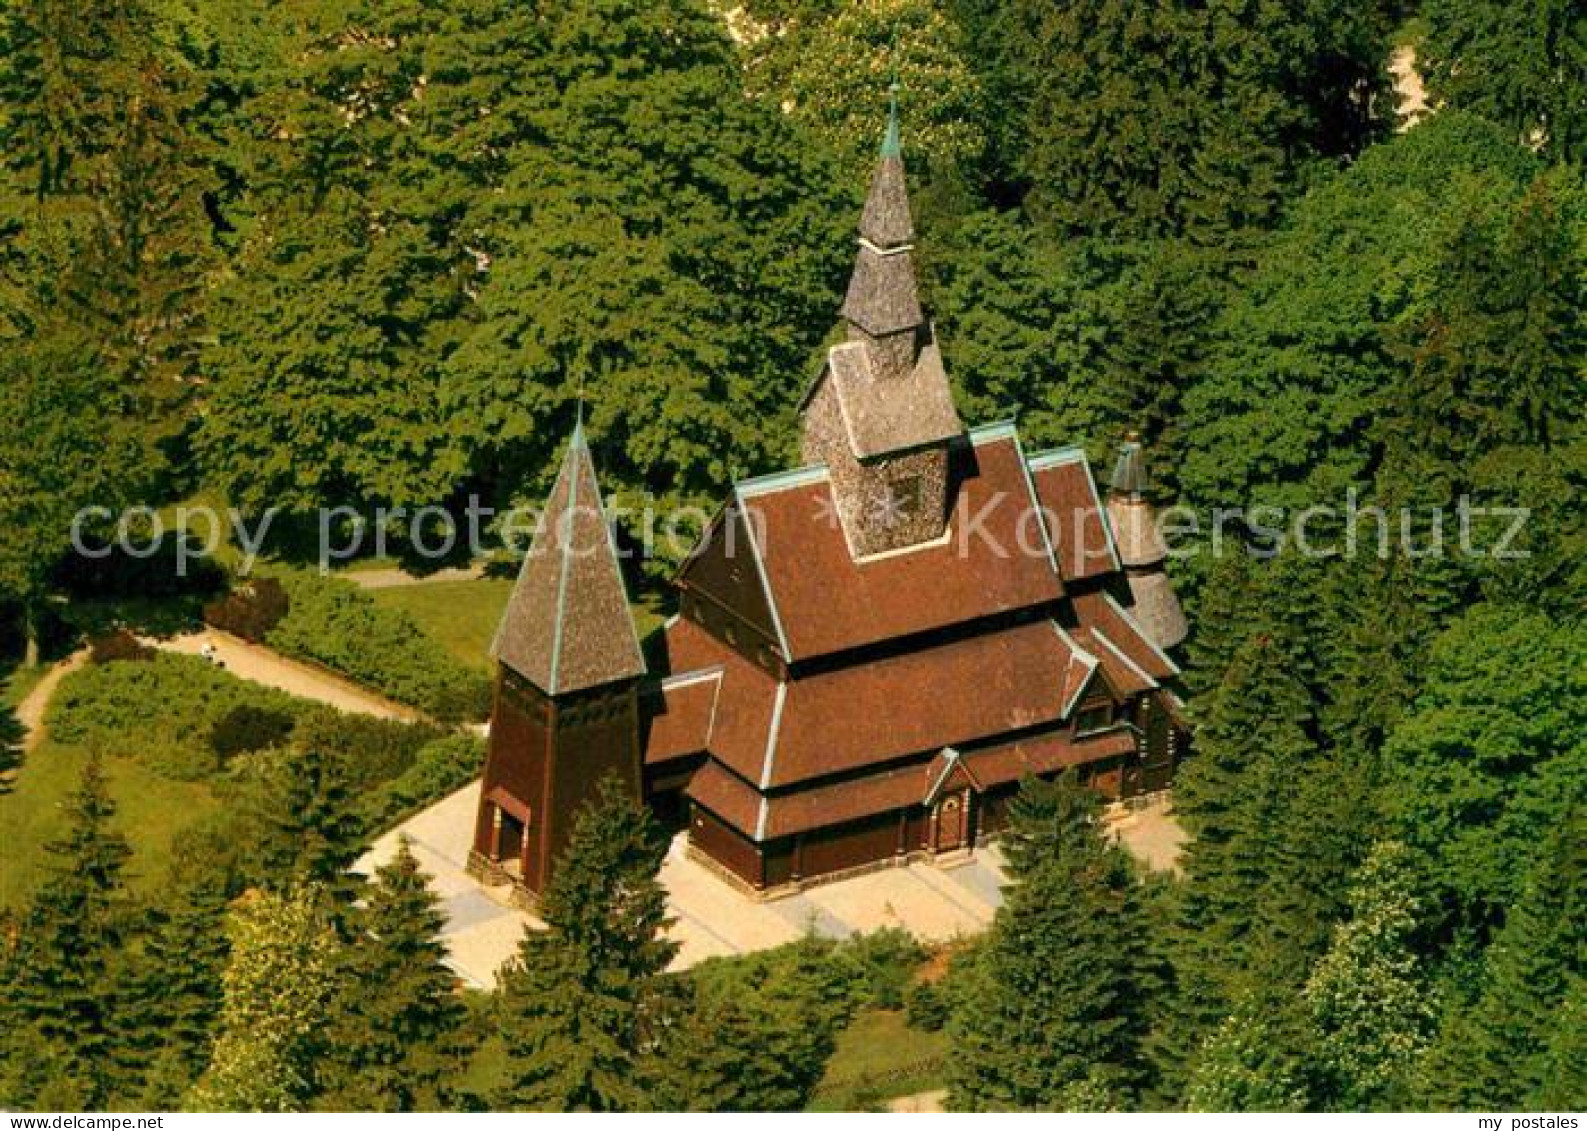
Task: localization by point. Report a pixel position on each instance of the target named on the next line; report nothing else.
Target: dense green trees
(278, 983)
(1527, 71)
(584, 1006)
(394, 1042)
(64, 980)
(1160, 118)
(1052, 1006)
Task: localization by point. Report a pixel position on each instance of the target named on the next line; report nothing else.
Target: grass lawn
(150, 811)
(873, 1060)
(462, 616)
(15, 687)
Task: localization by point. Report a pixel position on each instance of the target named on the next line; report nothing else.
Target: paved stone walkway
(712, 917)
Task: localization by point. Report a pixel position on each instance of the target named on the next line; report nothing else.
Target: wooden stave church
(870, 651)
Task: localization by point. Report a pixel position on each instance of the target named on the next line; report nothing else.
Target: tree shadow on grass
(11, 736)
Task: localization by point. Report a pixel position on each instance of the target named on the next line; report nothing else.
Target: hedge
(439, 770)
(334, 623)
(163, 711)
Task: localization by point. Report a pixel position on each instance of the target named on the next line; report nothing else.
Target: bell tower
(880, 415)
(568, 665)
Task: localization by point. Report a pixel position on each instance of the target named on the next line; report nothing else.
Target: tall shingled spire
(882, 306)
(1142, 550)
(881, 416)
(567, 626)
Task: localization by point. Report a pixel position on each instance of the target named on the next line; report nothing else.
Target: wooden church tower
(880, 414)
(566, 711)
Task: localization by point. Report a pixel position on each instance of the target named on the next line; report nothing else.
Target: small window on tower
(904, 495)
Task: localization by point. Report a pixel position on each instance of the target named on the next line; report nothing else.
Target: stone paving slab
(713, 918)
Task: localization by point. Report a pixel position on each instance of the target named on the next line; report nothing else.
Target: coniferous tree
(393, 1033)
(1526, 70)
(177, 991)
(760, 1041)
(65, 980)
(584, 1007)
(307, 825)
(279, 979)
(1052, 1010)
(1506, 1052)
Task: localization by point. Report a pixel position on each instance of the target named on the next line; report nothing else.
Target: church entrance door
(953, 821)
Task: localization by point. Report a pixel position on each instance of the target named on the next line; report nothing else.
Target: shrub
(251, 610)
(885, 962)
(925, 1008)
(162, 712)
(118, 646)
(248, 727)
(373, 750)
(439, 770)
(334, 623)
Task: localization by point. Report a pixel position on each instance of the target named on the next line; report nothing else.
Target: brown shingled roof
(1069, 501)
(741, 805)
(1122, 636)
(679, 715)
(894, 414)
(886, 222)
(993, 558)
(567, 626)
(882, 298)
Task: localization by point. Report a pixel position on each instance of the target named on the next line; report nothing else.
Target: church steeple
(882, 306)
(881, 414)
(567, 626)
(566, 711)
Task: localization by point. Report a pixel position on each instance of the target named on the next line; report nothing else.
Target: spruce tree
(177, 992)
(584, 1006)
(65, 981)
(392, 1036)
(308, 827)
(1506, 1051)
(1054, 999)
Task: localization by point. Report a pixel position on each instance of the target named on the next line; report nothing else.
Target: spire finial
(891, 144)
(578, 409)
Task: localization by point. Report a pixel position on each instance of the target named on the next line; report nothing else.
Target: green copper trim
(892, 146)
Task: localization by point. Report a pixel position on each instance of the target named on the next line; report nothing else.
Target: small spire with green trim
(886, 223)
(892, 145)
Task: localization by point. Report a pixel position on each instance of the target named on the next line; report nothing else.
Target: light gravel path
(262, 665)
(395, 578)
(1413, 105)
(30, 712)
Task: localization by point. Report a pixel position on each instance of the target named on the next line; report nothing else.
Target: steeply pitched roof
(567, 626)
(1076, 523)
(886, 222)
(989, 561)
(882, 297)
(892, 415)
